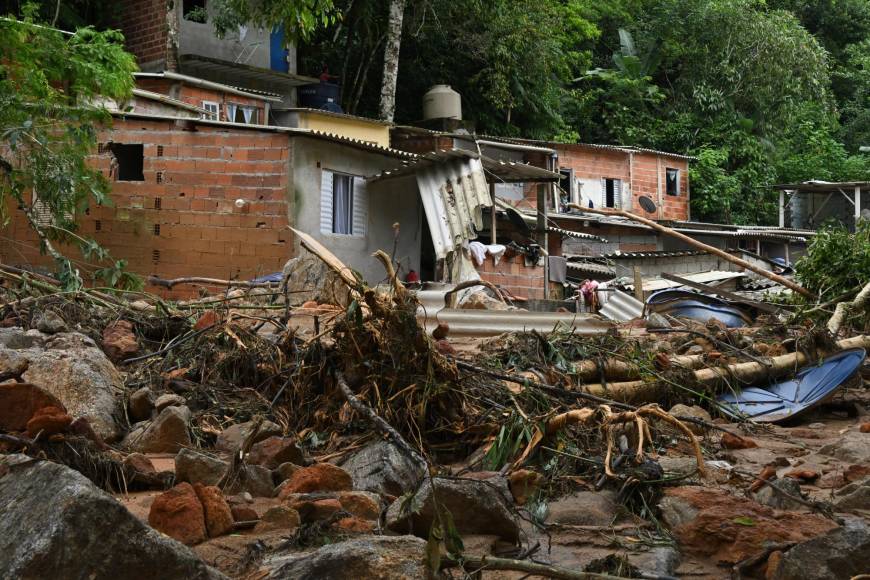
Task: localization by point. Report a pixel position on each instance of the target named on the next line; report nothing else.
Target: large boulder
(477, 507)
(840, 554)
(853, 447)
(382, 468)
(167, 433)
(382, 557)
(72, 368)
(57, 524)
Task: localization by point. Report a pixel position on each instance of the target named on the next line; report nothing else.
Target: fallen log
(741, 373)
(614, 369)
(171, 283)
(861, 302)
(701, 246)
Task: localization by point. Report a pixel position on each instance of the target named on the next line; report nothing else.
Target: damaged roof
(503, 171)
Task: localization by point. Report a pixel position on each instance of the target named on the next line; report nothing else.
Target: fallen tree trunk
(741, 373)
(614, 369)
(701, 246)
(861, 302)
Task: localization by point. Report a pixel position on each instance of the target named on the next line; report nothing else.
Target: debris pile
(252, 434)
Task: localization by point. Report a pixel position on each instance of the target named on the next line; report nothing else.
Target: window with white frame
(672, 181)
(213, 108)
(343, 204)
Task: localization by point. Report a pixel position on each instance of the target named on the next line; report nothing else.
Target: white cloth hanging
(231, 112)
(496, 251)
(478, 252)
(249, 113)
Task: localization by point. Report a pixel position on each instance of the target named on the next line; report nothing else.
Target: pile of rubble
(240, 435)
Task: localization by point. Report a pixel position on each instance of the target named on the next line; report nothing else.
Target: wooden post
(543, 188)
(701, 246)
(492, 236)
(638, 284)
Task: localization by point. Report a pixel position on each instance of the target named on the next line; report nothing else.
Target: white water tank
(442, 102)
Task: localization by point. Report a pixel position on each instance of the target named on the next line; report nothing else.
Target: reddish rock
(140, 464)
(278, 518)
(48, 421)
(312, 510)
(731, 441)
(18, 403)
(831, 480)
(354, 525)
(856, 472)
(729, 529)
(178, 513)
(273, 451)
(210, 318)
(318, 477)
(767, 474)
(119, 340)
(444, 347)
(243, 513)
(802, 433)
(773, 562)
(218, 516)
(523, 484)
(361, 504)
(803, 474)
(865, 428)
(441, 331)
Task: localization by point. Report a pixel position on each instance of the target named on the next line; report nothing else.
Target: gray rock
(57, 524)
(695, 412)
(853, 447)
(141, 405)
(839, 554)
(194, 467)
(678, 465)
(772, 498)
(168, 400)
(231, 438)
(656, 320)
(382, 468)
(584, 508)
(477, 507)
(677, 511)
(855, 496)
(50, 322)
(256, 480)
(71, 367)
(382, 557)
(283, 471)
(167, 433)
(659, 561)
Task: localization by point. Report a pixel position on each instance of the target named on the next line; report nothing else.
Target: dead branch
(387, 263)
(170, 283)
(701, 246)
(379, 423)
(478, 563)
(238, 460)
(861, 302)
(337, 266)
(449, 296)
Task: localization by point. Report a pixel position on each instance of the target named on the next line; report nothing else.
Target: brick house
(196, 196)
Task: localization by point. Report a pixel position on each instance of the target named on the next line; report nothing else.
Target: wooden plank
(769, 308)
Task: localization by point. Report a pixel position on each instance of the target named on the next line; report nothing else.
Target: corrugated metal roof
(454, 194)
(592, 268)
(651, 285)
(503, 171)
(332, 114)
(652, 254)
(571, 234)
(621, 307)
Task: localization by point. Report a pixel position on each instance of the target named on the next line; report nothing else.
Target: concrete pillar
(857, 204)
(781, 208)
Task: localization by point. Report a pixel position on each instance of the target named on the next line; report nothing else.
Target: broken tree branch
(861, 302)
(449, 296)
(170, 283)
(700, 245)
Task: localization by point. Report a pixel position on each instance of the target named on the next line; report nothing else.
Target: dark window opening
(156, 229)
(129, 160)
(672, 181)
(194, 10)
(159, 177)
(160, 151)
(342, 204)
(611, 193)
(566, 193)
(158, 203)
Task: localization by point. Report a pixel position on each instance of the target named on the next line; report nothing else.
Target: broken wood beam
(170, 283)
(714, 377)
(700, 245)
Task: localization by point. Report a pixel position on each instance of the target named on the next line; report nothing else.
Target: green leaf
(744, 521)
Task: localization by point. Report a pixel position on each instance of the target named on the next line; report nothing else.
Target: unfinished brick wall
(193, 95)
(649, 179)
(513, 275)
(143, 23)
(182, 219)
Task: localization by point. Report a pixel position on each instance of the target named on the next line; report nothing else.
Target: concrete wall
(248, 46)
(389, 203)
(361, 129)
(182, 219)
(837, 208)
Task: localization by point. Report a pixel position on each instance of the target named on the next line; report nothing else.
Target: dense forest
(761, 92)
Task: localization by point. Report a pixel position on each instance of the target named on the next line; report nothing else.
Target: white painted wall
(393, 201)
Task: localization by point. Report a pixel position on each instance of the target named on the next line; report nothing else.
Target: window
(566, 183)
(213, 108)
(194, 10)
(128, 162)
(343, 204)
(612, 190)
(241, 114)
(672, 181)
